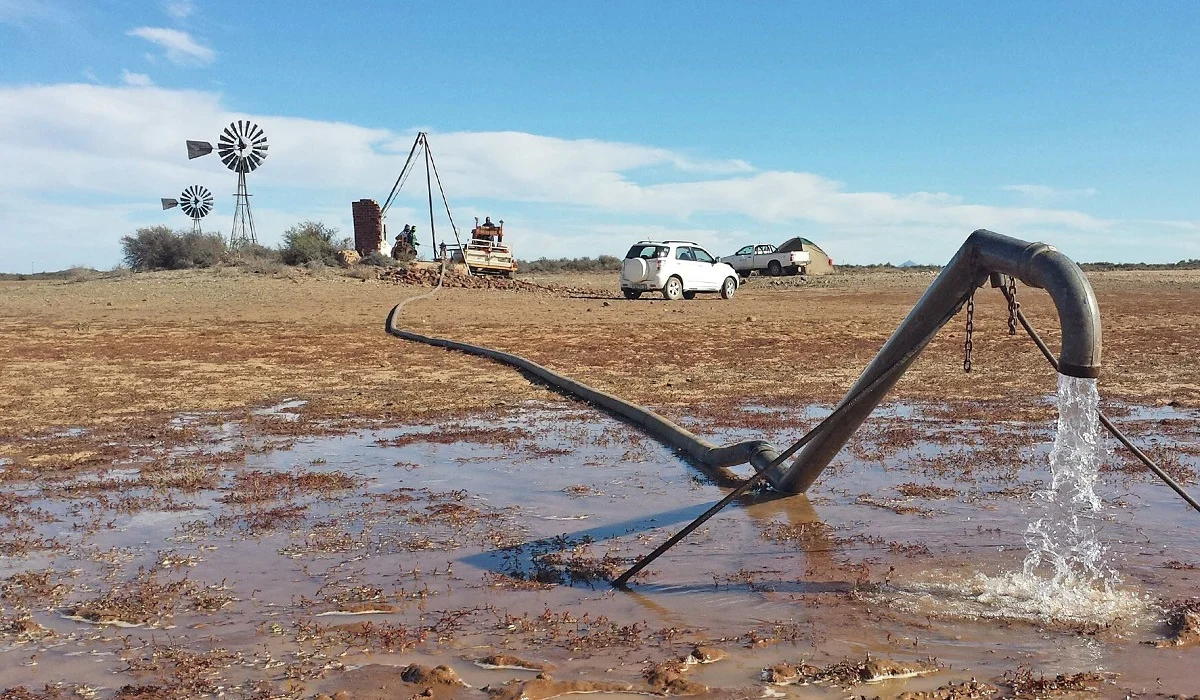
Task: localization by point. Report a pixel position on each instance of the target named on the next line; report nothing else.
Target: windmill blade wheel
(242, 146)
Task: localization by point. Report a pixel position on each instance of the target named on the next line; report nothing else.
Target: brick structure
(369, 232)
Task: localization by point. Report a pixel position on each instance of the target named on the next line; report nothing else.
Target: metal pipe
(984, 253)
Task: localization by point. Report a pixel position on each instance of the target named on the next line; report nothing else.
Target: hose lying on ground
(704, 453)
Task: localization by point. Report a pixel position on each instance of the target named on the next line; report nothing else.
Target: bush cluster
(160, 248)
(604, 263)
(311, 243)
(1192, 264)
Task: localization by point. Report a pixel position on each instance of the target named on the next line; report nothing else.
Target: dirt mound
(1183, 623)
(425, 277)
(422, 675)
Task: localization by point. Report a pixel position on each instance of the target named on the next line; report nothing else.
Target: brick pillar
(369, 235)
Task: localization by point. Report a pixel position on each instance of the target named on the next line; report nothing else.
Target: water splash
(1063, 546)
(1017, 596)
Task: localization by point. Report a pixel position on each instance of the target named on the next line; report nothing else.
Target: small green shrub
(311, 242)
(160, 248)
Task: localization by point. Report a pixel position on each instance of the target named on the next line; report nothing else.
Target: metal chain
(1013, 305)
(970, 331)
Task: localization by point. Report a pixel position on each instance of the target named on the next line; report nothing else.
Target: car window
(745, 251)
(649, 252)
(701, 255)
(765, 249)
(684, 253)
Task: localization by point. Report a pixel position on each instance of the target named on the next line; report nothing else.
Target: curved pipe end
(1044, 267)
(984, 254)
(1080, 371)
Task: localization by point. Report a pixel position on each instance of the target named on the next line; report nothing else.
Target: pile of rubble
(428, 277)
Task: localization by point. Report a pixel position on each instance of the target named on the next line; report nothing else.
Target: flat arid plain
(218, 483)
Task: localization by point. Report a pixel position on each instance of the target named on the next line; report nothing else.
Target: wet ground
(281, 562)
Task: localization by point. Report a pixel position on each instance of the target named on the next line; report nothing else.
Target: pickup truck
(763, 259)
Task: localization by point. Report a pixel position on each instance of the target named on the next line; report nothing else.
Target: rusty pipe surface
(983, 254)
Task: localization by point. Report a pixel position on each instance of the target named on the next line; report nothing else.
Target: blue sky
(885, 131)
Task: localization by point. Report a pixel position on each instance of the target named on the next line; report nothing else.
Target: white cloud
(180, 9)
(63, 143)
(178, 46)
(136, 79)
(1045, 193)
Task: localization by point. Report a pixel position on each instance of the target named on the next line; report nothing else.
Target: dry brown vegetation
(122, 356)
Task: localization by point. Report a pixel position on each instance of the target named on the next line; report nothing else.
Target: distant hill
(907, 263)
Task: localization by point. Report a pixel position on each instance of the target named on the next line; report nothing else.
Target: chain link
(970, 332)
(1013, 305)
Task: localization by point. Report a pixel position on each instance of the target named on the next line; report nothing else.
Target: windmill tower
(242, 147)
(195, 201)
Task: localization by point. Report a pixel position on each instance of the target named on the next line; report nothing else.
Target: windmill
(242, 147)
(195, 201)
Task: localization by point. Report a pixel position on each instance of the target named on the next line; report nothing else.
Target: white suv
(678, 269)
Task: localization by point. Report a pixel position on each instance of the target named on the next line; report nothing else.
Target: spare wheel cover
(635, 269)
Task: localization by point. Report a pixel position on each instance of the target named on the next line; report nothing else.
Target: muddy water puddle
(333, 562)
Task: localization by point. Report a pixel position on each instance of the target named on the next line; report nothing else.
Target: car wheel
(793, 271)
(631, 293)
(728, 288)
(689, 295)
(774, 268)
(673, 289)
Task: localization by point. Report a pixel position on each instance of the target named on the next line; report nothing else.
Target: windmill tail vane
(195, 149)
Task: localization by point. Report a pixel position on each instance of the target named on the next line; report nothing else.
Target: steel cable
(404, 173)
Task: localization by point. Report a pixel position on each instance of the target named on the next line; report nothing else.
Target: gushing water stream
(1065, 577)
(1062, 543)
